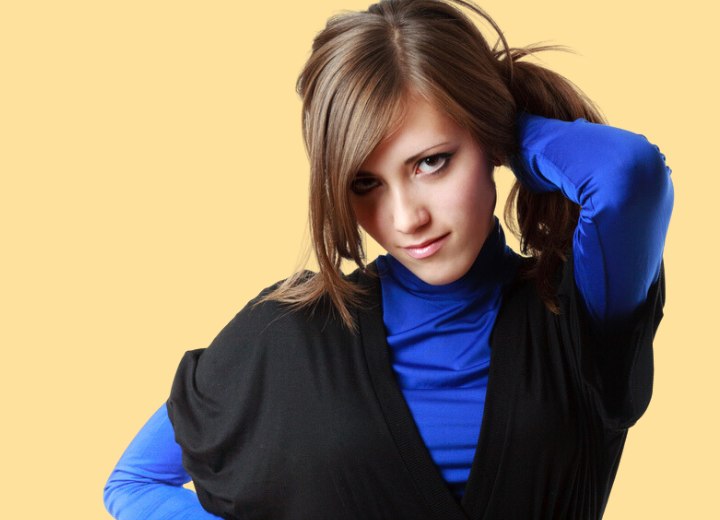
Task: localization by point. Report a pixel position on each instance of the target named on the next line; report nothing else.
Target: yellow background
(154, 179)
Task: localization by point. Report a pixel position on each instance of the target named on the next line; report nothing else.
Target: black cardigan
(288, 415)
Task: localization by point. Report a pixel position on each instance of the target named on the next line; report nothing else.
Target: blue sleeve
(147, 481)
(624, 189)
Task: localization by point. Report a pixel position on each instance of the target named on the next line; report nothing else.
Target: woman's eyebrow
(414, 158)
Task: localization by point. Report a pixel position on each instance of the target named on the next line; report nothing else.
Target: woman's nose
(410, 213)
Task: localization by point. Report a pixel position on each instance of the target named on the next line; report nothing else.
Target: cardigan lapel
(418, 463)
(496, 422)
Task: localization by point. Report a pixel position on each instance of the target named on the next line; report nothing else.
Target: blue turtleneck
(439, 335)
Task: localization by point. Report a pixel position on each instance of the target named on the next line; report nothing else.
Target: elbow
(642, 181)
(110, 493)
(648, 163)
(118, 491)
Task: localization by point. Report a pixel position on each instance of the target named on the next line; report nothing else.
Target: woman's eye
(362, 185)
(433, 163)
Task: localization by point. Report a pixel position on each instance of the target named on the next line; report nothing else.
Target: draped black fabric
(288, 415)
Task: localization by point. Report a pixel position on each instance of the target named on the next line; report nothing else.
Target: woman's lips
(426, 248)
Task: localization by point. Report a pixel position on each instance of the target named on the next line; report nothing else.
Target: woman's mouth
(427, 248)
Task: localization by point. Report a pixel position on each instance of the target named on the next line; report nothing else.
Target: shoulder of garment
(264, 336)
(614, 366)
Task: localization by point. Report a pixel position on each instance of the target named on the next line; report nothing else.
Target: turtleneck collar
(494, 265)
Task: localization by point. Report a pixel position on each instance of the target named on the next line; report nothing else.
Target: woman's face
(427, 195)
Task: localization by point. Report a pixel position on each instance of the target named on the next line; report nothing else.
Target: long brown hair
(362, 66)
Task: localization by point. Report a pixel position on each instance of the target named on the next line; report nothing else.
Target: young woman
(450, 378)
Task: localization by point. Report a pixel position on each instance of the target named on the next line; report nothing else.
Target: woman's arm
(623, 186)
(147, 481)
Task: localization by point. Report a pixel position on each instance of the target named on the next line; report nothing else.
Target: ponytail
(543, 222)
